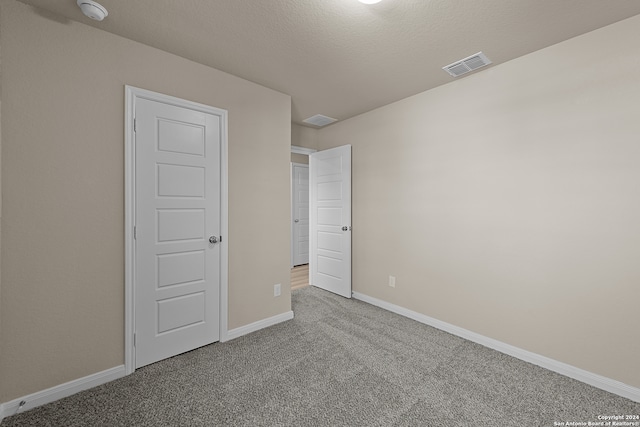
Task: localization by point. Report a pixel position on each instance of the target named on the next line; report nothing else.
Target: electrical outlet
(392, 281)
(276, 290)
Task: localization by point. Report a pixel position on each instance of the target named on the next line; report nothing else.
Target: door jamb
(295, 149)
(131, 94)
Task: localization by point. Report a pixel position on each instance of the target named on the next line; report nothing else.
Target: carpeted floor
(339, 362)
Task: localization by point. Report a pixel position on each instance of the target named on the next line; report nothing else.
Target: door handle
(345, 228)
(297, 220)
(213, 239)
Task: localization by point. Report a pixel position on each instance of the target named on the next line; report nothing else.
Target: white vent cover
(319, 120)
(467, 64)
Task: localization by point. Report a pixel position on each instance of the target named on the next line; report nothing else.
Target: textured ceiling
(341, 58)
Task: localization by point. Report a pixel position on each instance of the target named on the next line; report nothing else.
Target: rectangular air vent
(319, 120)
(468, 64)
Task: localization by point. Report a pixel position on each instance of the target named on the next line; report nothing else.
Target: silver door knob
(345, 228)
(213, 239)
(297, 220)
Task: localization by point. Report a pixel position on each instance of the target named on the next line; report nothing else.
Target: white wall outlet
(276, 290)
(392, 281)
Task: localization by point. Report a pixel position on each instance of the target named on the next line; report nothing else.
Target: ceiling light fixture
(369, 1)
(93, 10)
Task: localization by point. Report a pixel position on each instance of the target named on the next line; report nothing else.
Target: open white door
(330, 220)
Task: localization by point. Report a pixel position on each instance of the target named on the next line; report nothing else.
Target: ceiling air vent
(467, 65)
(319, 120)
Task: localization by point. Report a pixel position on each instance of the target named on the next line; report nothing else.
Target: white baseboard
(604, 383)
(256, 326)
(60, 391)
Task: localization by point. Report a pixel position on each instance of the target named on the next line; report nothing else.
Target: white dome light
(369, 1)
(93, 9)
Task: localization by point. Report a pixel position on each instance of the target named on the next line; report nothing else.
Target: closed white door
(300, 213)
(177, 250)
(330, 220)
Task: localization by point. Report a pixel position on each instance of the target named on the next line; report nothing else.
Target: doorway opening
(299, 192)
(325, 188)
(299, 214)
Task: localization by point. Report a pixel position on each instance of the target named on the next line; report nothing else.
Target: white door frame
(302, 150)
(131, 94)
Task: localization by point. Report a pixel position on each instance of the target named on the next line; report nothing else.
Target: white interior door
(177, 250)
(330, 220)
(300, 213)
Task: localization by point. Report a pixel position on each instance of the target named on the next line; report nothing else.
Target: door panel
(177, 137)
(181, 267)
(180, 224)
(177, 283)
(180, 312)
(180, 181)
(330, 220)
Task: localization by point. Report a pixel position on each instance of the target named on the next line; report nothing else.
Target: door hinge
(134, 339)
(135, 236)
(135, 127)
